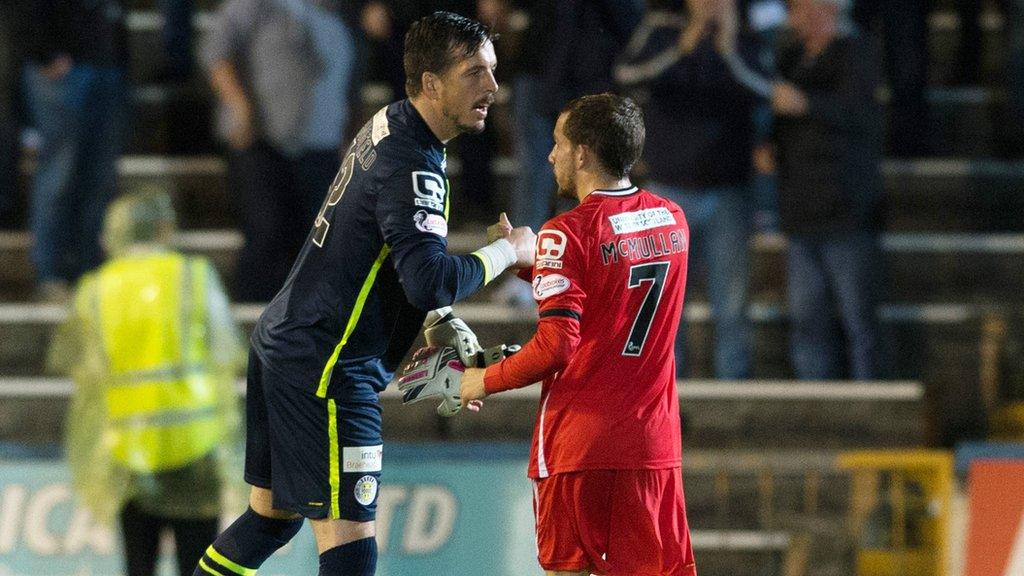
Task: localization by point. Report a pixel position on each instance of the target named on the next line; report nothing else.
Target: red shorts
(614, 523)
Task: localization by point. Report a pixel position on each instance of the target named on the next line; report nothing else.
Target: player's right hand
(434, 373)
(500, 230)
(524, 242)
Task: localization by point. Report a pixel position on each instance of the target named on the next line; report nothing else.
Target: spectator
(1009, 120)
(9, 144)
(904, 26)
(828, 134)
(700, 133)
(1009, 132)
(282, 71)
(568, 50)
(153, 350)
(77, 96)
(177, 40)
(1013, 139)
(477, 151)
(534, 185)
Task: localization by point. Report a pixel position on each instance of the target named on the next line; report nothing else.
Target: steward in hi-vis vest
(154, 352)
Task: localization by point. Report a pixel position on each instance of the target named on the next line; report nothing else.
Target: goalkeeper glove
(437, 373)
(442, 328)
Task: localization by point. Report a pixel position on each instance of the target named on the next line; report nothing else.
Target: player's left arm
(559, 287)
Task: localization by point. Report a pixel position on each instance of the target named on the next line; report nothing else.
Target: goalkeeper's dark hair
(610, 125)
(435, 43)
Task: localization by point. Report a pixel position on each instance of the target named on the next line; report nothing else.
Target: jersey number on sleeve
(654, 273)
(333, 197)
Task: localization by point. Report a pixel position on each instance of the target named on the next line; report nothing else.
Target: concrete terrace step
(935, 344)
(963, 121)
(770, 416)
(920, 267)
(935, 195)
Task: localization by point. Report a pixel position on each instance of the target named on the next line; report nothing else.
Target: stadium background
(782, 477)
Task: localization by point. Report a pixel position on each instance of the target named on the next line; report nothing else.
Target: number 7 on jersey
(653, 273)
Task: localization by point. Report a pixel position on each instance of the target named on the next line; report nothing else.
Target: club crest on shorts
(366, 490)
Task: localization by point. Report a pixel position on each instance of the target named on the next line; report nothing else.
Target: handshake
(436, 370)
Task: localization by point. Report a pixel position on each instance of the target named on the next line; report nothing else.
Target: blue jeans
(534, 192)
(81, 118)
(719, 222)
(829, 274)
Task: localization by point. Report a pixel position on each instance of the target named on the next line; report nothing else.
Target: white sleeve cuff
(496, 257)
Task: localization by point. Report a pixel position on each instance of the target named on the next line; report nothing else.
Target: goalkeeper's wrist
(496, 257)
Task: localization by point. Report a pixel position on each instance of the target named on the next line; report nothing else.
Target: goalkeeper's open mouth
(482, 106)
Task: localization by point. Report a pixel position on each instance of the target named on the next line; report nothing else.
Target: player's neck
(443, 128)
(587, 183)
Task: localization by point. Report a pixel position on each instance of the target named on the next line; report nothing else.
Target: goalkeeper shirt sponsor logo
(431, 223)
(361, 458)
(366, 490)
(429, 189)
(546, 286)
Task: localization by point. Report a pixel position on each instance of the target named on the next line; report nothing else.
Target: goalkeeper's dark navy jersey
(375, 261)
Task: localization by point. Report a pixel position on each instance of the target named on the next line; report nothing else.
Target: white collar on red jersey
(619, 192)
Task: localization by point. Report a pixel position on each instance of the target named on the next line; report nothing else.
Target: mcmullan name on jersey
(643, 247)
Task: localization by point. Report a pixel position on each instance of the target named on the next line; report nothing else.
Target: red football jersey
(611, 273)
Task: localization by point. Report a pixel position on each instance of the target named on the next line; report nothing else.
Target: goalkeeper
(375, 262)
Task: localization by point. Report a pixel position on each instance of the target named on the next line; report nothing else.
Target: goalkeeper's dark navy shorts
(321, 457)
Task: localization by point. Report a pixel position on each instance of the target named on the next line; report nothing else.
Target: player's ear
(582, 155)
(431, 83)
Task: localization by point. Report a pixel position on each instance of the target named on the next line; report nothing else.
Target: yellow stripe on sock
(234, 567)
(204, 566)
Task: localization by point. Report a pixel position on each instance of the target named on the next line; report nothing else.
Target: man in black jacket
(828, 134)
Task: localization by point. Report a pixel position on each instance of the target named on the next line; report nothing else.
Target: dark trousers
(835, 276)
(9, 150)
(904, 26)
(277, 198)
(141, 532)
(177, 36)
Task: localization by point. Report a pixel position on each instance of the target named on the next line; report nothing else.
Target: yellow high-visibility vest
(160, 396)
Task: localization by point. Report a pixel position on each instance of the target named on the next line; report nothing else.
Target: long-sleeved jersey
(609, 278)
(375, 261)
